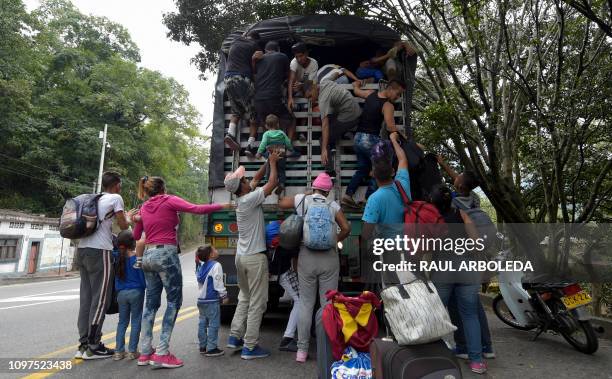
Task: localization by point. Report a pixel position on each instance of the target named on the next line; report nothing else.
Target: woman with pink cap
(318, 270)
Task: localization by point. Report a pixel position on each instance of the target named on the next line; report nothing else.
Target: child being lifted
(275, 139)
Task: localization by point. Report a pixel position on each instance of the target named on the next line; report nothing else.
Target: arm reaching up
(399, 152)
(446, 167)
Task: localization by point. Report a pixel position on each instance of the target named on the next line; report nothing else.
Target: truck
(342, 40)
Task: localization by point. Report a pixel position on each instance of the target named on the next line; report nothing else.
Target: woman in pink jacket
(161, 265)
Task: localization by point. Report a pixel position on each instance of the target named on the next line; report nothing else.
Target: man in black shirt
(239, 85)
(271, 72)
(378, 107)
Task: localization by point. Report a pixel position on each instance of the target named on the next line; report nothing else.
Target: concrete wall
(54, 251)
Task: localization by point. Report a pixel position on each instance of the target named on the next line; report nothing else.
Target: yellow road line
(105, 337)
(156, 328)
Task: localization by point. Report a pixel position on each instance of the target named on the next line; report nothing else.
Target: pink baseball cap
(322, 182)
(232, 180)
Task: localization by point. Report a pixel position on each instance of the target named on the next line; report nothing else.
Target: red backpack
(421, 218)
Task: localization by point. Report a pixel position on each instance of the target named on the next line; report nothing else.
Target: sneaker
(202, 350)
(234, 343)
(294, 154)
(301, 356)
(132, 355)
(145, 359)
(80, 351)
(254, 353)
(288, 344)
(349, 201)
(165, 361)
(101, 352)
(488, 353)
(230, 141)
(250, 151)
(478, 367)
(119, 355)
(215, 352)
(459, 353)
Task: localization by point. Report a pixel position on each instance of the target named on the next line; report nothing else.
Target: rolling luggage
(431, 361)
(325, 358)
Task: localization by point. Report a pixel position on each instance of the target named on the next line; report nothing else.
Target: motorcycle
(557, 307)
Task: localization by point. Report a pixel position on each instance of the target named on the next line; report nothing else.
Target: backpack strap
(400, 188)
(301, 202)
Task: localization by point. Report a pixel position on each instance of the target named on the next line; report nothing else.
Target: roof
(320, 30)
(17, 216)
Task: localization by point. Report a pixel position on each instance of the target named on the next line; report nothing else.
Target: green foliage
(209, 22)
(63, 75)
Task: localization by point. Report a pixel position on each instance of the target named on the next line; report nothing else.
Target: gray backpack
(290, 233)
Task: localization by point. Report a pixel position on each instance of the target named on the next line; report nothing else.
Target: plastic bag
(353, 365)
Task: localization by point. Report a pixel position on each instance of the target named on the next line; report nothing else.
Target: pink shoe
(145, 359)
(301, 356)
(478, 367)
(165, 361)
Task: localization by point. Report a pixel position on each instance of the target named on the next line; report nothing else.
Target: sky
(143, 19)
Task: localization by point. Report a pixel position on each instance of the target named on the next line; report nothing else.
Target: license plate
(577, 300)
(232, 242)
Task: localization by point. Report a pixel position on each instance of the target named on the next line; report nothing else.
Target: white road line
(29, 305)
(22, 299)
(46, 282)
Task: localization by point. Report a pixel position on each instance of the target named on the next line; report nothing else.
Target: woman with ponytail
(161, 265)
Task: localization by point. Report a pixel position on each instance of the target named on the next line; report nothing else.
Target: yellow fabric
(350, 323)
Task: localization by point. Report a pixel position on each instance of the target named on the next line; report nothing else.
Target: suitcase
(324, 349)
(431, 361)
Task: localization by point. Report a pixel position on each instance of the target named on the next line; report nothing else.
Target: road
(39, 320)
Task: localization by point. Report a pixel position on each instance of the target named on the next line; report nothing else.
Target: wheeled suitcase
(324, 349)
(426, 361)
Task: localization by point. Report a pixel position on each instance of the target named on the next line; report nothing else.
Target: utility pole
(103, 136)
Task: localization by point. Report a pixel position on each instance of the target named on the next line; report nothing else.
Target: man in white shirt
(94, 257)
(251, 259)
(301, 69)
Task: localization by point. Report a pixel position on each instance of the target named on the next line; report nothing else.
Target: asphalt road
(38, 320)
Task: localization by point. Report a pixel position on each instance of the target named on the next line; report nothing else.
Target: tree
(65, 76)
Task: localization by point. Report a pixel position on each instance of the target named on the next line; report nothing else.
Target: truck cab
(342, 40)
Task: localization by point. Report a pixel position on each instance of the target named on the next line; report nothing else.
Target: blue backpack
(319, 226)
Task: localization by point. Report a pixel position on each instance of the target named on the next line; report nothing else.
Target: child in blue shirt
(130, 286)
(212, 292)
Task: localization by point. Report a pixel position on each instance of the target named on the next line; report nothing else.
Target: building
(32, 243)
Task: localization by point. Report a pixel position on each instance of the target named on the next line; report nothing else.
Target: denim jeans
(485, 334)
(363, 144)
(364, 73)
(208, 327)
(280, 168)
(162, 269)
(467, 298)
(130, 306)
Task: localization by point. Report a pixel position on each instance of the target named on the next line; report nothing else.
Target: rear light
(572, 289)
(218, 227)
(233, 227)
(546, 296)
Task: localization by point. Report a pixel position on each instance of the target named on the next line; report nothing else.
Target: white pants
(293, 316)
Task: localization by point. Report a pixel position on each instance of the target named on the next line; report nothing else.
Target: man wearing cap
(271, 72)
(251, 260)
(318, 271)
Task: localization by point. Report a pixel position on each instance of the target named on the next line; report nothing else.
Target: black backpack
(80, 216)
